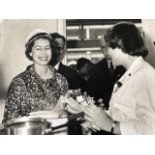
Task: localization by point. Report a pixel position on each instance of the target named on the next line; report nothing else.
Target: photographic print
(77, 77)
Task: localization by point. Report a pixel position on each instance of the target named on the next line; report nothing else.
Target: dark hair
(56, 35)
(126, 35)
(81, 62)
(31, 41)
(56, 53)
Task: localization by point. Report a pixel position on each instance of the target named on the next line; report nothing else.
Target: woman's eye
(47, 48)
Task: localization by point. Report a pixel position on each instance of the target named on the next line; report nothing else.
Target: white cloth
(133, 104)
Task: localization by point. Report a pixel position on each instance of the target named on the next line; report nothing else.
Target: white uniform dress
(133, 103)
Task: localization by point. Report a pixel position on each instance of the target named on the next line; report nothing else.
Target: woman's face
(116, 55)
(41, 52)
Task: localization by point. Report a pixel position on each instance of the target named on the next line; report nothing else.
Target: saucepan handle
(51, 129)
(71, 118)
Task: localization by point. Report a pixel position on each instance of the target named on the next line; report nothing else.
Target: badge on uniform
(118, 84)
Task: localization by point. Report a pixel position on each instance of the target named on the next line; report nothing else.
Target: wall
(149, 35)
(13, 34)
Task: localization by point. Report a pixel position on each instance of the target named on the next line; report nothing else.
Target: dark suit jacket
(117, 74)
(75, 82)
(100, 82)
(73, 78)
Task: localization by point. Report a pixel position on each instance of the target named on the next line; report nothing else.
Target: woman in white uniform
(132, 104)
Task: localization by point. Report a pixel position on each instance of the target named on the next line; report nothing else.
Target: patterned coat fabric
(29, 93)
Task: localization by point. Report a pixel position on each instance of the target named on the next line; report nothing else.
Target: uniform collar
(135, 66)
(57, 66)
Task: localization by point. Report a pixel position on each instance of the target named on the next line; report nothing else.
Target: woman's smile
(41, 52)
(43, 58)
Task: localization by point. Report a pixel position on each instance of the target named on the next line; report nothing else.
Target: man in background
(102, 77)
(73, 78)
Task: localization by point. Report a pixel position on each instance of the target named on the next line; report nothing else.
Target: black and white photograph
(77, 77)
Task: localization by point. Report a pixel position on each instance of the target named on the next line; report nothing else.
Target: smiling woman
(40, 86)
(41, 52)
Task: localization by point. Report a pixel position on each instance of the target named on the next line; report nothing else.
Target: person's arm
(101, 119)
(116, 128)
(15, 96)
(72, 105)
(95, 115)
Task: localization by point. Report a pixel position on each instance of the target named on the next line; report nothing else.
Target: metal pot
(27, 126)
(38, 126)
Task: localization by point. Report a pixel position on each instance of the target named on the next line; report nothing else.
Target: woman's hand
(98, 117)
(72, 105)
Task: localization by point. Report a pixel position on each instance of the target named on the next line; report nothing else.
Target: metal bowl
(27, 126)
